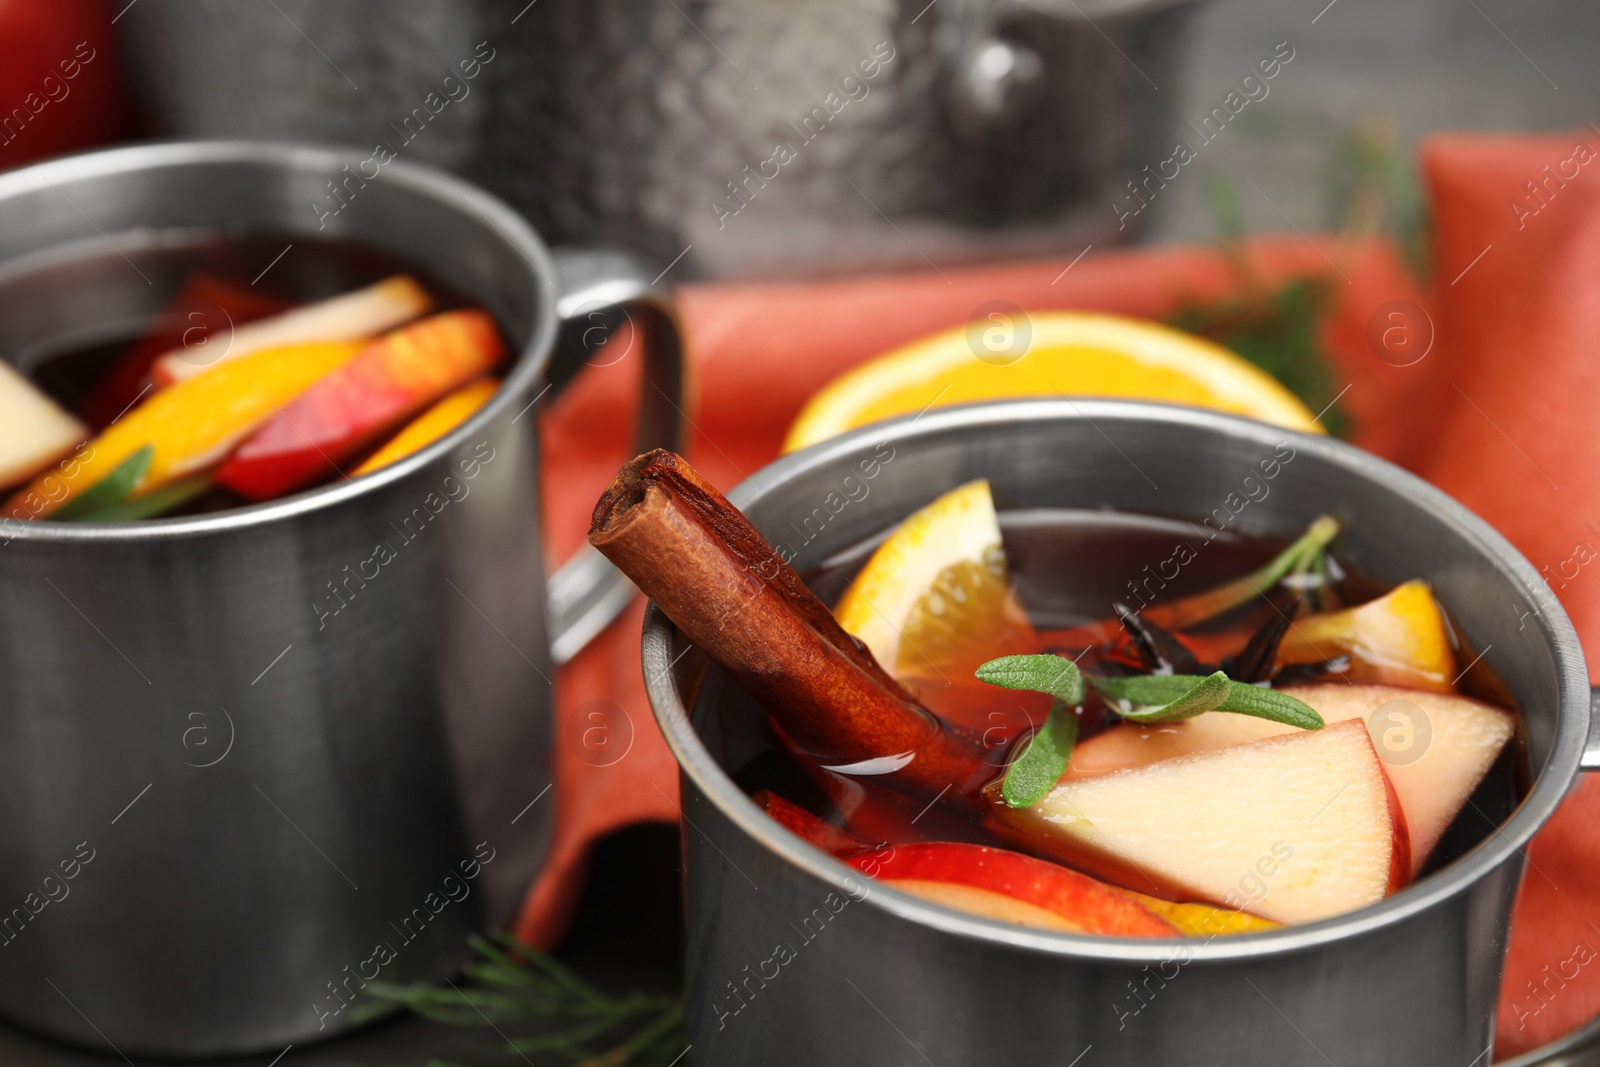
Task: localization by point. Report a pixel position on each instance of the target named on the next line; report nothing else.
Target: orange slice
(935, 598)
(1398, 639)
(1204, 920)
(432, 424)
(194, 424)
(1068, 353)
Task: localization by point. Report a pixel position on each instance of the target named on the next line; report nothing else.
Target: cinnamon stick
(731, 593)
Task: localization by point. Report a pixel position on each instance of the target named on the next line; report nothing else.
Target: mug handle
(587, 592)
(1591, 751)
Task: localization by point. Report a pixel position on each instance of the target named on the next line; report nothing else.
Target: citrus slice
(1398, 639)
(1204, 920)
(935, 598)
(1068, 353)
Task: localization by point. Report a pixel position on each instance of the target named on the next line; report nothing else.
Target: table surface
(1427, 64)
(627, 937)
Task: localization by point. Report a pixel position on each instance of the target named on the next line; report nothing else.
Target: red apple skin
(1093, 906)
(1400, 864)
(1084, 902)
(808, 827)
(386, 384)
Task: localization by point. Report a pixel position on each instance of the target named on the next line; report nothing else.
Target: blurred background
(916, 133)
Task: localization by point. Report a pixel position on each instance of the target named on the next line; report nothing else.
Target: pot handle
(587, 592)
(1591, 751)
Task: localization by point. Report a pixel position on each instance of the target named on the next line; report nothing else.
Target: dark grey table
(627, 937)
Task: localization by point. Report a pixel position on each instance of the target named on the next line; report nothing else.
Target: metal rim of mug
(1550, 784)
(427, 181)
(1576, 1049)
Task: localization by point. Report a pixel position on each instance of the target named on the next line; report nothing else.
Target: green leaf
(1042, 763)
(108, 490)
(154, 503)
(1165, 697)
(1271, 704)
(1172, 697)
(1055, 675)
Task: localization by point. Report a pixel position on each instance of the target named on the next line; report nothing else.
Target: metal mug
(250, 789)
(912, 132)
(886, 978)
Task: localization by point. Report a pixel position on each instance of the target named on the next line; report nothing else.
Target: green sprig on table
(511, 983)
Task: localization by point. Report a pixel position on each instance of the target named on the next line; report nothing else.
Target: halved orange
(1070, 353)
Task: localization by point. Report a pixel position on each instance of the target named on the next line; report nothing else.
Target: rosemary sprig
(1279, 329)
(1177, 614)
(512, 983)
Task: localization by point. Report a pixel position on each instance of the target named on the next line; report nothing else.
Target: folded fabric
(1514, 384)
(1492, 410)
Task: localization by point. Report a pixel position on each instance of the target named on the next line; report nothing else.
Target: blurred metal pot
(751, 137)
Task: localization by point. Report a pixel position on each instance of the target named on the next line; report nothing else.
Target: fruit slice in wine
(1398, 638)
(34, 430)
(1435, 747)
(935, 599)
(1011, 887)
(1293, 829)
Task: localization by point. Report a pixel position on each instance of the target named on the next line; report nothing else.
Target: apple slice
(352, 316)
(985, 881)
(810, 828)
(1435, 747)
(1009, 886)
(1296, 828)
(432, 424)
(34, 430)
(989, 904)
(189, 427)
(389, 381)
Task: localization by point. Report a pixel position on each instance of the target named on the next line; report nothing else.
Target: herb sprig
(1297, 557)
(1145, 699)
(108, 491)
(512, 983)
(1174, 697)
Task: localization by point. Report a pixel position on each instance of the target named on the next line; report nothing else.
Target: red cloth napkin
(1491, 413)
(1517, 299)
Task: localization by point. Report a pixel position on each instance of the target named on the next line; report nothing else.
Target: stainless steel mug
(886, 978)
(272, 766)
(745, 137)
